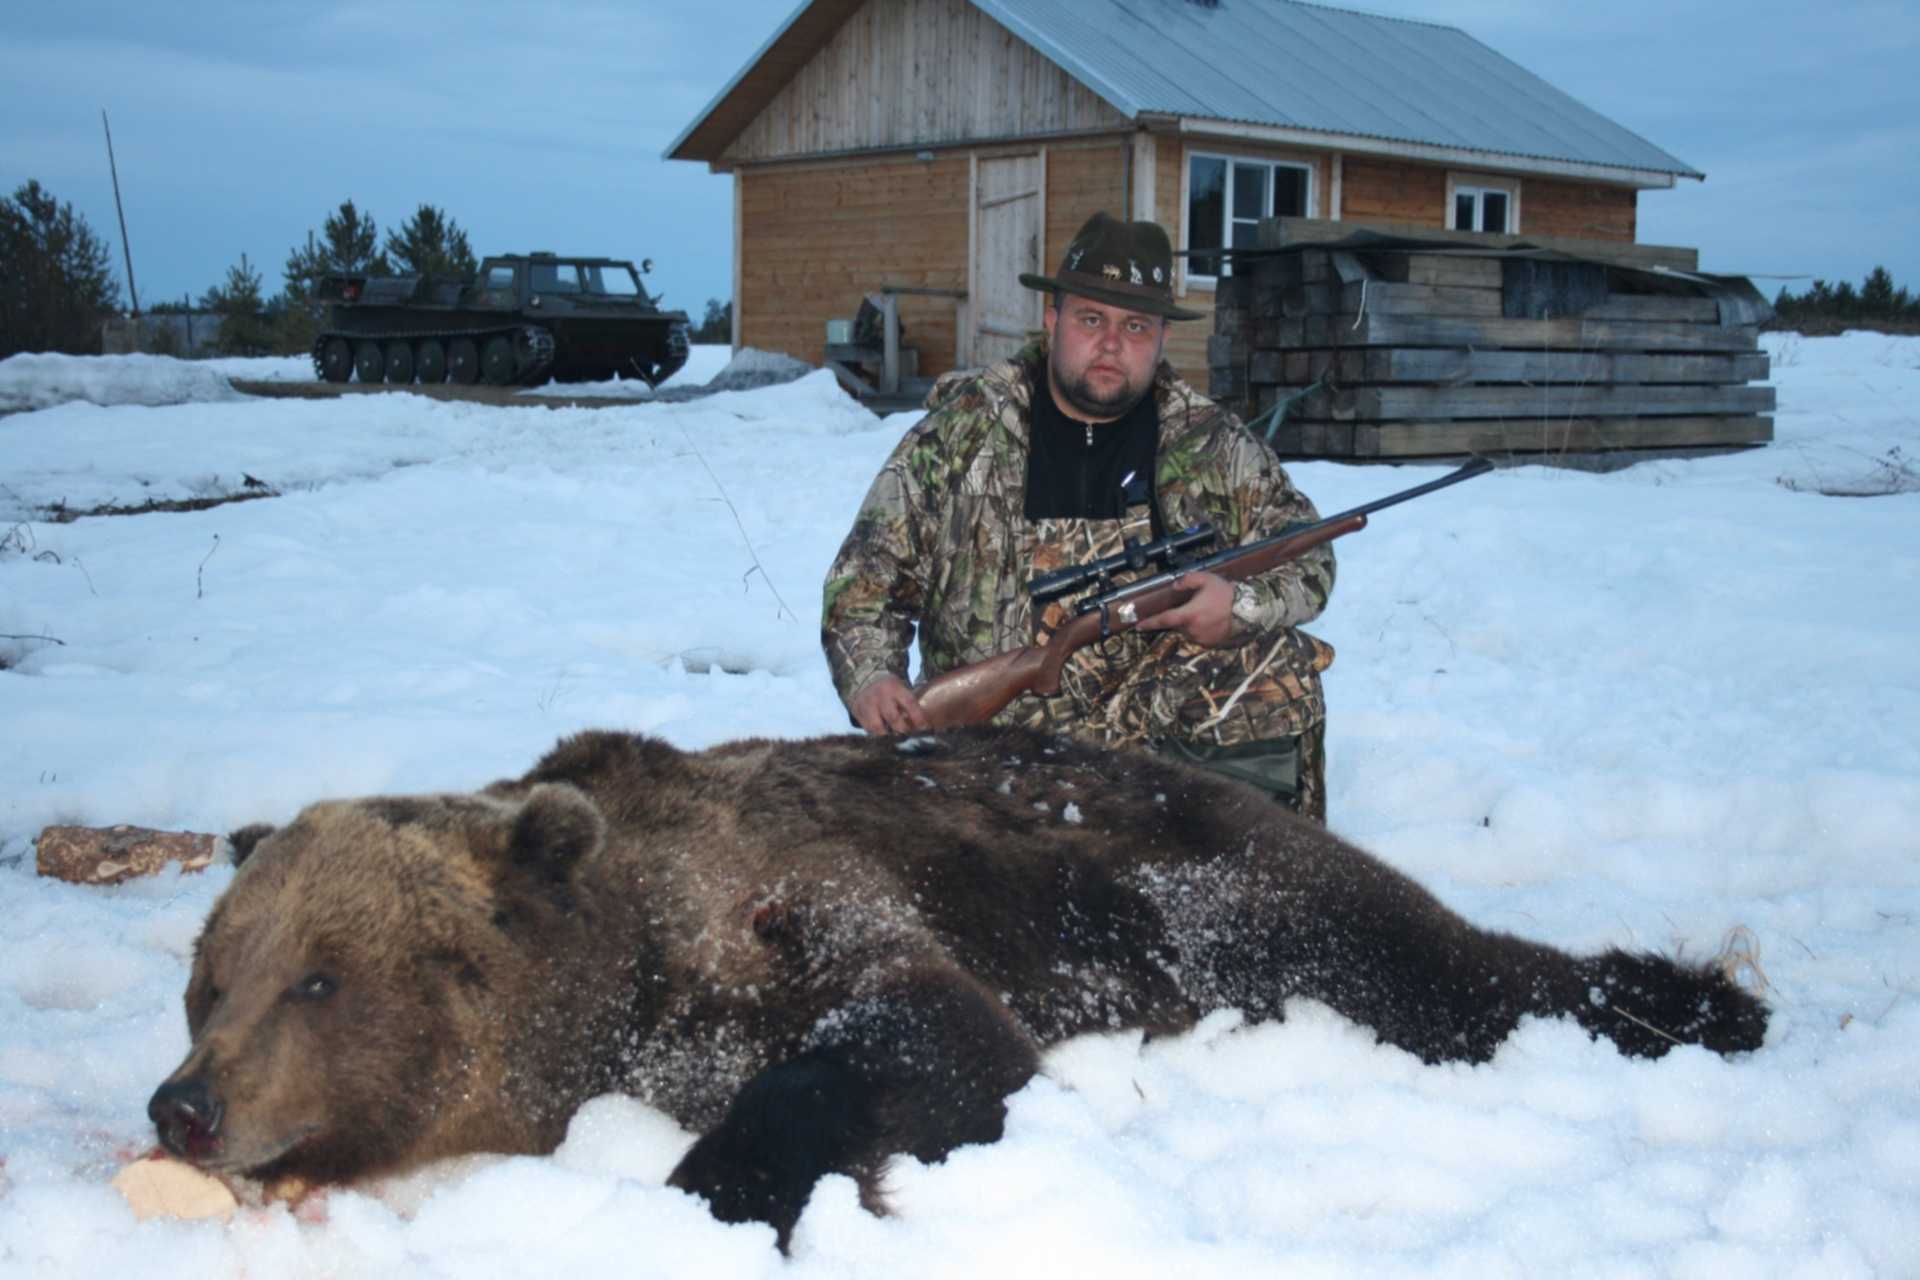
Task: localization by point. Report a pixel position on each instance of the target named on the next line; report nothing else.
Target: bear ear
(555, 828)
(242, 841)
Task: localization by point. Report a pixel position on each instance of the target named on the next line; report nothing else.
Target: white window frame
(1204, 281)
(1478, 185)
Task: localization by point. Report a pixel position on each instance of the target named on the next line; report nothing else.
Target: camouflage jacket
(942, 541)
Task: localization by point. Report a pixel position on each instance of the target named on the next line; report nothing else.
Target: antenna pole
(125, 248)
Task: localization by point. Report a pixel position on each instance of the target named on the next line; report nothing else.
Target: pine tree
(717, 325)
(431, 243)
(348, 244)
(56, 276)
(1877, 295)
(244, 327)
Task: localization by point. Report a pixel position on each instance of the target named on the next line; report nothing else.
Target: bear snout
(187, 1116)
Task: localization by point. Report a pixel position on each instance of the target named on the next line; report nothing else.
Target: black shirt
(1085, 470)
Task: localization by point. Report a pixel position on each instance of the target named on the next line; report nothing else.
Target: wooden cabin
(926, 152)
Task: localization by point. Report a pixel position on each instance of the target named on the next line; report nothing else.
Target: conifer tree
(244, 328)
(56, 276)
(348, 244)
(431, 243)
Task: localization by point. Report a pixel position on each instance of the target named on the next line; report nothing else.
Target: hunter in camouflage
(944, 542)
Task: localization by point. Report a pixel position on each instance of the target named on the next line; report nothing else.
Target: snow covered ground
(1639, 708)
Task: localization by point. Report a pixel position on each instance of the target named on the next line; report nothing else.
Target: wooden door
(1008, 238)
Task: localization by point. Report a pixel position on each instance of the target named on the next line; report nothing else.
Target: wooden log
(1234, 321)
(1444, 269)
(1547, 402)
(1268, 367)
(1226, 384)
(1287, 440)
(1375, 297)
(1278, 233)
(1226, 348)
(1276, 272)
(1377, 330)
(108, 855)
(1294, 301)
(1273, 333)
(1236, 290)
(1574, 435)
(1463, 365)
(1332, 268)
(1648, 306)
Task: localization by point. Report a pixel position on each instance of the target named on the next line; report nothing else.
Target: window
(548, 277)
(614, 281)
(1482, 209)
(497, 287)
(1226, 198)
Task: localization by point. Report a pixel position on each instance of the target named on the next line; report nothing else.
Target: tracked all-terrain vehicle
(521, 320)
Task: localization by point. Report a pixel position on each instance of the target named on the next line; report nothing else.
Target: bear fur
(814, 954)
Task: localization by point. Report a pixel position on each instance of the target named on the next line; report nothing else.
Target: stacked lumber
(1442, 351)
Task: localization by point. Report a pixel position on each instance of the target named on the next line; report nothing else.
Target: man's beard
(1079, 394)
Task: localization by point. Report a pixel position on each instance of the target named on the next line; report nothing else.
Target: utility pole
(125, 248)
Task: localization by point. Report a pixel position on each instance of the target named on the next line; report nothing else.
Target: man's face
(1101, 359)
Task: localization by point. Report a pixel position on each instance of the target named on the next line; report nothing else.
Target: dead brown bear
(815, 954)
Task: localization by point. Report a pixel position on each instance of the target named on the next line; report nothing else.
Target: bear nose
(187, 1116)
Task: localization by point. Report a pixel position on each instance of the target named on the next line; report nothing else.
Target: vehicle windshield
(616, 281)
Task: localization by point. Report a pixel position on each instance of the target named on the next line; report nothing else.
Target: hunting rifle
(975, 693)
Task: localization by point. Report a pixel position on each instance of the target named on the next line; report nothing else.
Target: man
(1056, 457)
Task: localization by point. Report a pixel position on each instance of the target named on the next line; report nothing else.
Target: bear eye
(315, 986)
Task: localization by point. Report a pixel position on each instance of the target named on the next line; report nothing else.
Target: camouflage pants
(1291, 770)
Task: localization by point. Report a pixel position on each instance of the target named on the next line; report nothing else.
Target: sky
(1633, 709)
(239, 125)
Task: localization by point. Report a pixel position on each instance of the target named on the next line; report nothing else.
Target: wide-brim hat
(1123, 264)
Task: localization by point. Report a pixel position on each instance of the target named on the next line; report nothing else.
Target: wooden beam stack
(1441, 352)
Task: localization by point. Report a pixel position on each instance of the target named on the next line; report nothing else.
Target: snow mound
(749, 370)
(45, 379)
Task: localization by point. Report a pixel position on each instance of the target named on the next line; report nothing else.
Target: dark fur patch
(785, 1129)
(555, 828)
(243, 840)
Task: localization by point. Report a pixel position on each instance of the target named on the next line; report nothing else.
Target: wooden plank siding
(1082, 180)
(1373, 190)
(919, 73)
(1579, 210)
(819, 237)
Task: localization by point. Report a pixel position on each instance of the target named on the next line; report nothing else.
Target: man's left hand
(1207, 616)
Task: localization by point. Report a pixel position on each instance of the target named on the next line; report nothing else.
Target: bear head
(353, 987)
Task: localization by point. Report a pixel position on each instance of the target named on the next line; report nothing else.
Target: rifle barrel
(1478, 467)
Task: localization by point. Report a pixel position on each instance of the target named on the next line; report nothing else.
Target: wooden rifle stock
(977, 692)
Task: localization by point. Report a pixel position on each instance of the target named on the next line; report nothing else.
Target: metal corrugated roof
(1306, 66)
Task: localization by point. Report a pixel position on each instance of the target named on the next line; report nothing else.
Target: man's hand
(1207, 616)
(888, 706)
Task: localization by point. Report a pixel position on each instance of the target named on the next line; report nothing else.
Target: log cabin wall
(1393, 191)
(824, 235)
(1082, 179)
(1187, 339)
(1403, 193)
(1582, 210)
